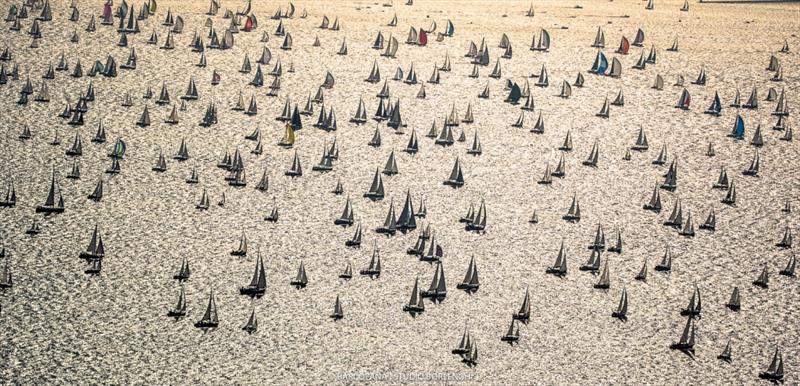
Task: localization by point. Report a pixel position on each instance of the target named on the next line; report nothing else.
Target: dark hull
(367, 272)
(252, 291)
(413, 309)
(388, 231)
(521, 317)
(509, 339)
(90, 256)
(619, 316)
(556, 272)
(682, 347)
(49, 209)
(202, 324)
(771, 376)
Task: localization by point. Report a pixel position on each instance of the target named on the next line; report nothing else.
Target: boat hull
(49, 209)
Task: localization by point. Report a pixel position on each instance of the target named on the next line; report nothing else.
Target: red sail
(106, 10)
(423, 37)
(248, 25)
(624, 46)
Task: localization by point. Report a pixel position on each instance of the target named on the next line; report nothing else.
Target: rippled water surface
(59, 325)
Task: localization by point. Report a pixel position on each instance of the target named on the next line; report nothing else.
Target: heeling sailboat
(242, 249)
(687, 340)
(471, 283)
(416, 304)
(574, 213)
(96, 248)
(695, 304)
(438, 288)
(355, 241)
(456, 178)
(478, 224)
(621, 312)
(338, 312)
(252, 323)
(775, 370)
(258, 283)
(11, 196)
(559, 268)
(389, 226)
(374, 268)
(55, 201)
(301, 280)
(789, 270)
(180, 309)
(210, 318)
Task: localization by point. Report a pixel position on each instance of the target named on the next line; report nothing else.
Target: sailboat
(621, 312)
(512, 335)
(559, 268)
(356, 240)
(258, 284)
(594, 154)
(752, 170)
(604, 282)
(376, 191)
(301, 280)
(790, 267)
(242, 249)
(666, 262)
(775, 370)
(711, 221)
(763, 278)
(456, 178)
(96, 249)
(438, 289)
(416, 304)
(574, 213)
(478, 224)
(184, 272)
(252, 323)
(786, 241)
(180, 310)
(695, 305)
(470, 284)
(11, 196)
(338, 313)
(389, 226)
(210, 318)
(348, 272)
(54, 202)
(374, 268)
(687, 340)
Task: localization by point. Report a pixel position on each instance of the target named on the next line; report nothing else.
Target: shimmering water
(59, 325)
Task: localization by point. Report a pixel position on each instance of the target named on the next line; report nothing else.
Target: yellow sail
(288, 138)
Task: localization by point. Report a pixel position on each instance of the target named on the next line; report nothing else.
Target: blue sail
(450, 29)
(738, 127)
(602, 65)
(514, 95)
